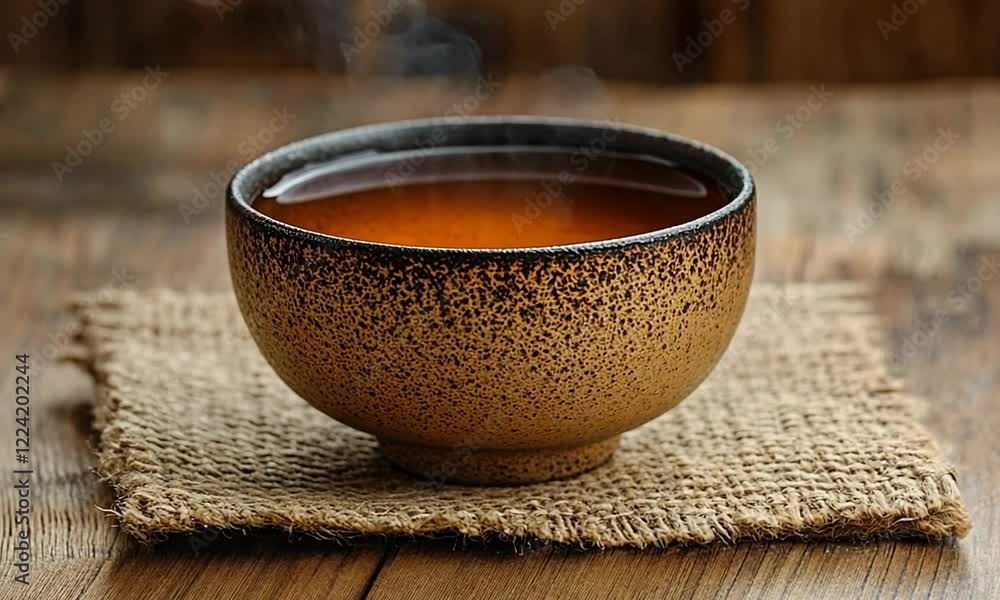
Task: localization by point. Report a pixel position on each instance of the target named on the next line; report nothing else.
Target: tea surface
(500, 213)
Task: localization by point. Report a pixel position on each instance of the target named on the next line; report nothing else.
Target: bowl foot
(496, 467)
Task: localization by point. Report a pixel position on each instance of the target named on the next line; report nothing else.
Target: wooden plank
(781, 40)
(235, 570)
(66, 578)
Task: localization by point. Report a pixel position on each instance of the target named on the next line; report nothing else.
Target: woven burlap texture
(800, 432)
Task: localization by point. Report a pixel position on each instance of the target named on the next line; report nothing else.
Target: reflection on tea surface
(490, 197)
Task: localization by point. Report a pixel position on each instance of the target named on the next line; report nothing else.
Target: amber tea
(490, 197)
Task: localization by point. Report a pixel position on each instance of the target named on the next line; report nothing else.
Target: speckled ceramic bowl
(493, 366)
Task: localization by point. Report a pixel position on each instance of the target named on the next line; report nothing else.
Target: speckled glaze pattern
(493, 366)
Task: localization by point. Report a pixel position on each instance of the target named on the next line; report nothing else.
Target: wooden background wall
(768, 40)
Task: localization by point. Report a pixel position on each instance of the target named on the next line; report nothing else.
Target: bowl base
(497, 467)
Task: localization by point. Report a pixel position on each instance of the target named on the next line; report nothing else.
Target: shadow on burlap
(799, 433)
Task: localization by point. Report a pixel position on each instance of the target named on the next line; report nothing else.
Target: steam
(395, 38)
(400, 39)
(574, 91)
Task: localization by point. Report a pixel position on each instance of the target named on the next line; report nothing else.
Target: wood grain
(118, 211)
(770, 40)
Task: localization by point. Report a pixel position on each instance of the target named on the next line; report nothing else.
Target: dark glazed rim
(262, 172)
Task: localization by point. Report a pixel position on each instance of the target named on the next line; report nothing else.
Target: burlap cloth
(800, 432)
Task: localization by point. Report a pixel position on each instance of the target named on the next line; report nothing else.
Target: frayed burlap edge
(942, 516)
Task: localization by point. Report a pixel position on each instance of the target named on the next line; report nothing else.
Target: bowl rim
(251, 174)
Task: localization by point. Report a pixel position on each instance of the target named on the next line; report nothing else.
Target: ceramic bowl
(493, 365)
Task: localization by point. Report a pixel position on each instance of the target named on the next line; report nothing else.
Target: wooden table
(118, 213)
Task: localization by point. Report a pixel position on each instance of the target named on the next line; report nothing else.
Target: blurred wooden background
(767, 40)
